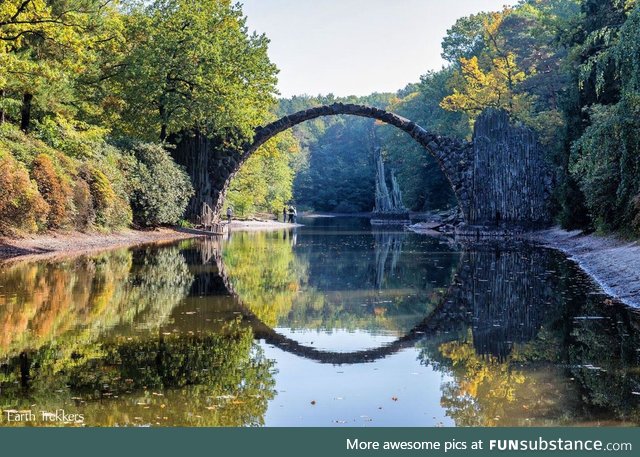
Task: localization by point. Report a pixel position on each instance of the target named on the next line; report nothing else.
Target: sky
(356, 47)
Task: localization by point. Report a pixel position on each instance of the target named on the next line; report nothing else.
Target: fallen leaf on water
(313, 402)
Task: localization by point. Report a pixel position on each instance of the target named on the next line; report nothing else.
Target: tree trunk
(2, 114)
(196, 153)
(163, 123)
(25, 120)
(24, 369)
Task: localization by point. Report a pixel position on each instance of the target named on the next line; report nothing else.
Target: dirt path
(66, 243)
(613, 263)
(260, 225)
(75, 242)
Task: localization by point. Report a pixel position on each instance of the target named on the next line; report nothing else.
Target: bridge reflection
(502, 294)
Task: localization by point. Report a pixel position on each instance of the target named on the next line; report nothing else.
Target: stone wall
(209, 165)
(510, 181)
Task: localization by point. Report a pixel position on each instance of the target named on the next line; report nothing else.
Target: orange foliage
(21, 205)
(55, 191)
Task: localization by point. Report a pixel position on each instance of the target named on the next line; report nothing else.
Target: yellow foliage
(491, 79)
(493, 88)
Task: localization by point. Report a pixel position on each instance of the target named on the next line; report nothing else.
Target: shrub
(53, 189)
(22, 208)
(112, 211)
(159, 188)
(85, 214)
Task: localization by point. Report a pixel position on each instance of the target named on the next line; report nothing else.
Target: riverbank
(613, 263)
(251, 225)
(66, 243)
(51, 244)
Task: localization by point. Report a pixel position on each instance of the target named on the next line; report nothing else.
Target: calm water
(332, 324)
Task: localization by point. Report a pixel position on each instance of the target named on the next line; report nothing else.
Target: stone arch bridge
(498, 178)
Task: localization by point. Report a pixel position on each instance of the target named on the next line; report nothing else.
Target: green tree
(604, 159)
(159, 190)
(193, 66)
(44, 47)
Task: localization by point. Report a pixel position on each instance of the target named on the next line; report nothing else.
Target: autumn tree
(490, 79)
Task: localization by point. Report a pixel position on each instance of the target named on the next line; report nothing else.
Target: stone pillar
(511, 182)
(209, 165)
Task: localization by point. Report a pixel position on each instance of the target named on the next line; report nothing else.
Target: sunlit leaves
(193, 65)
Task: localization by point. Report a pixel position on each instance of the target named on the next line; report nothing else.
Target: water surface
(330, 324)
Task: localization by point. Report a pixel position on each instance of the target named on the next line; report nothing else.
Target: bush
(53, 189)
(84, 215)
(22, 208)
(159, 188)
(111, 210)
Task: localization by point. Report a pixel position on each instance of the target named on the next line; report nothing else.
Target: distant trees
(335, 168)
(265, 183)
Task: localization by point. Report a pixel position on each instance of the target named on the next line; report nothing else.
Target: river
(330, 324)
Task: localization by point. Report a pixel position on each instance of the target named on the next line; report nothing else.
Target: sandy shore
(52, 244)
(69, 243)
(613, 263)
(260, 225)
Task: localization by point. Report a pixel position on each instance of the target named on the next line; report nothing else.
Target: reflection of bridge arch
(445, 313)
(502, 294)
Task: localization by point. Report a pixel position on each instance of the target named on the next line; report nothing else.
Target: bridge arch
(452, 155)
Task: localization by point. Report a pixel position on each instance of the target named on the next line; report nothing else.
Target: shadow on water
(176, 335)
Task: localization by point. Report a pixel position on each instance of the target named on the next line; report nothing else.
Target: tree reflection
(331, 283)
(265, 273)
(213, 379)
(79, 298)
(539, 349)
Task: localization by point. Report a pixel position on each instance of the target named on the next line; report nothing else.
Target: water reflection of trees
(264, 272)
(213, 379)
(539, 348)
(79, 298)
(95, 334)
(329, 282)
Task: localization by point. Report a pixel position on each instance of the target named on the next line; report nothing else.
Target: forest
(96, 97)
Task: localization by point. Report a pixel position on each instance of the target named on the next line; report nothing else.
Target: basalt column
(208, 164)
(511, 183)
(508, 292)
